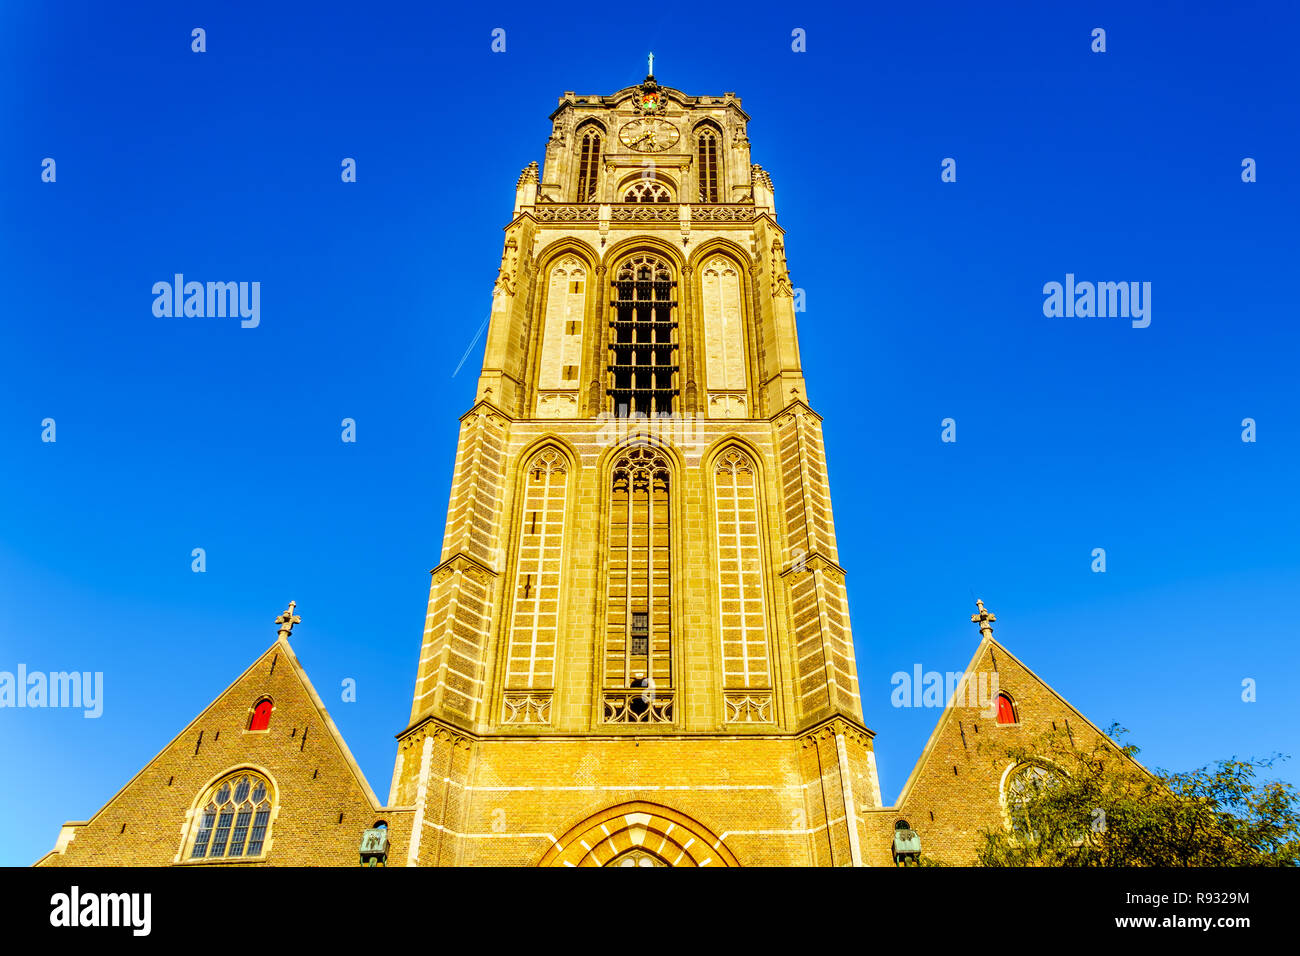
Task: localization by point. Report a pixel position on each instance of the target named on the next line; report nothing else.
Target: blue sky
(924, 301)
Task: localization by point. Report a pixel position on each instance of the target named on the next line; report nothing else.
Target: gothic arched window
(742, 612)
(535, 622)
(234, 819)
(707, 172)
(1024, 786)
(648, 190)
(588, 164)
(261, 718)
(644, 351)
(561, 360)
(638, 629)
(724, 333)
(1006, 710)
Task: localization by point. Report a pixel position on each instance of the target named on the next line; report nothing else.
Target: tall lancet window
(643, 360)
(561, 362)
(724, 335)
(638, 618)
(707, 165)
(743, 616)
(588, 165)
(535, 623)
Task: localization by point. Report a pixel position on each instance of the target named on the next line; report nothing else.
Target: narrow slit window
(588, 166)
(707, 165)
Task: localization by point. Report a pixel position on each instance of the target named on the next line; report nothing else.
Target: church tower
(637, 649)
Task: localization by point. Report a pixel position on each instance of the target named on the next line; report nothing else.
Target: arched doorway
(639, 834)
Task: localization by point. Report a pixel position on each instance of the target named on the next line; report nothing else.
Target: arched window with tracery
(643, 346)
(648, 190)
(588, 164)
(639, 621)
(707, 165)
(234, 819)
(1025, 785)
(261, 718)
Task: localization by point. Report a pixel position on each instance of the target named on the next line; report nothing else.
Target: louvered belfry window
(588, 166)
(643, 350)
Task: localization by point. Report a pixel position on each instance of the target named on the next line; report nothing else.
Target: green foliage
(1076, 806)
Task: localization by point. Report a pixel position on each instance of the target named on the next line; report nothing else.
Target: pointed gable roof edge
(281, 644)
(986, 643)
(329, 723)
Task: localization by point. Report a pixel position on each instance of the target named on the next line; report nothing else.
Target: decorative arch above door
(639, 834)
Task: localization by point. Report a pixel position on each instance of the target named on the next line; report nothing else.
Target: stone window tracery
(648, 190)
(234, 819)
(638, 627)
(1023, 786)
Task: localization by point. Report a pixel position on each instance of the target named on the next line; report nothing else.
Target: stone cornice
(677, 96)
(794, 407)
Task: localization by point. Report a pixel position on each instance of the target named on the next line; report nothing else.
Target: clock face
(649, 135)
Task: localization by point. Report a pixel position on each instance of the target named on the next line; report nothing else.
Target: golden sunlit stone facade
(637, 647)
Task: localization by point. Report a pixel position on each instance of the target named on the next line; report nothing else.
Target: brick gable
(316, 779)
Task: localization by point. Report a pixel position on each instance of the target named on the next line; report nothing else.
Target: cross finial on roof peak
(288, 619)
(984, 619)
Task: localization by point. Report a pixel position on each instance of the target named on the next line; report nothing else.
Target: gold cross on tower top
(288, 619)
(984, 619)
